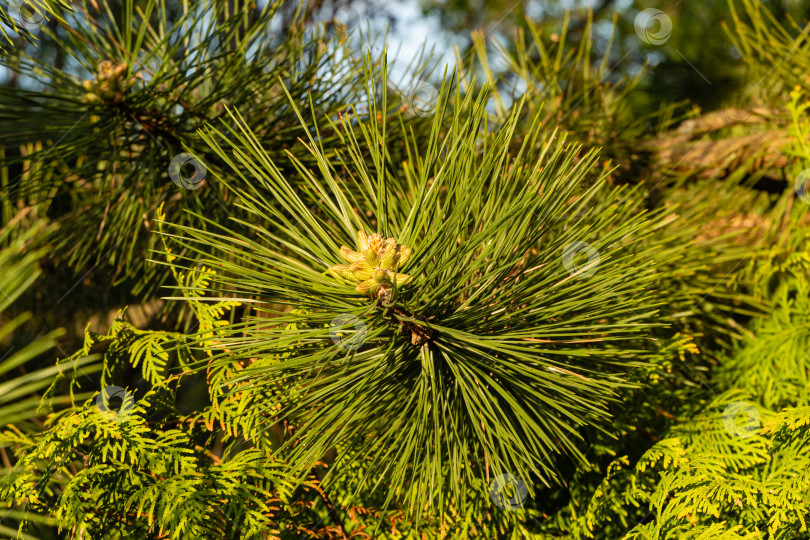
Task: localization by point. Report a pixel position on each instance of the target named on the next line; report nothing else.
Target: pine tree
(483, 303)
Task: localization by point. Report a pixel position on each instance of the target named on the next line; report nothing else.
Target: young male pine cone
(374, 265)
(109, 84)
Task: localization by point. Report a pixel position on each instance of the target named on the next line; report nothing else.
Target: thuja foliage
(500, 314)
(21, 406)
(139, 472)
(735, 464)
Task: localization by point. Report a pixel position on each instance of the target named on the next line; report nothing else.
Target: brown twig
(330, 507)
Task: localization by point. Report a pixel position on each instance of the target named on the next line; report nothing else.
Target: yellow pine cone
(362, 241)
(350, 255)
(367, 287)
(364, 274)
(109, 83)
(342, 271)
(374, 265)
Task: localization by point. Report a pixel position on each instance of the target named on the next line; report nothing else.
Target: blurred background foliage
(697, 62)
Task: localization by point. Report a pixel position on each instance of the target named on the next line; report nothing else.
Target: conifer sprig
(105, 144)
(501, 344)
